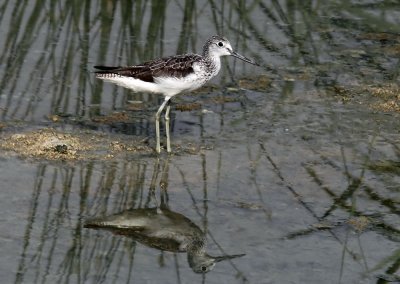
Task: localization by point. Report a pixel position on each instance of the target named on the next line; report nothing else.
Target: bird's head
(218, 46)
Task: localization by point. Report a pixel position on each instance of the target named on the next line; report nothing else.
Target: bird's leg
(158, 147)
(167, 126)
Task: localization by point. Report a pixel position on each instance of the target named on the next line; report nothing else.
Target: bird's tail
(105, 69)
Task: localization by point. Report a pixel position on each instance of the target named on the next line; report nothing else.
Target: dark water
(301, 175)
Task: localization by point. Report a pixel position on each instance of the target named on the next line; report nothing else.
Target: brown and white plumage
(168, 76)
(177, 66)
(172, 75)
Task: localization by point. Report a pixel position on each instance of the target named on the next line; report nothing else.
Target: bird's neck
(209, 55)
(196, 245)
(213, 63)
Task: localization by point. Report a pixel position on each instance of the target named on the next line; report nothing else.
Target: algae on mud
(52, 144)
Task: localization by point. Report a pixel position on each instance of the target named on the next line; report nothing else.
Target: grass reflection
(64, 247)
(48, 46)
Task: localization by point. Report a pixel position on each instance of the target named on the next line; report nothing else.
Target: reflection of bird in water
(162, 229)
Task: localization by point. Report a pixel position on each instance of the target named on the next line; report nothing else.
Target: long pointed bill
(237, 55)
(225, 257)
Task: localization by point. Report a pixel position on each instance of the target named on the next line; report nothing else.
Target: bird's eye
(203, 268)
(221, 44)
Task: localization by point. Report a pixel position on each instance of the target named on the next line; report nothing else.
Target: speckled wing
(174, 66)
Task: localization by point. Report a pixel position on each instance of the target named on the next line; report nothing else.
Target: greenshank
(170, 76)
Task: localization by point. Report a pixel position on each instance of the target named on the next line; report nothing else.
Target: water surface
(294, 164)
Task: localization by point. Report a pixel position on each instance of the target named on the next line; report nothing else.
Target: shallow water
(300, 173)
